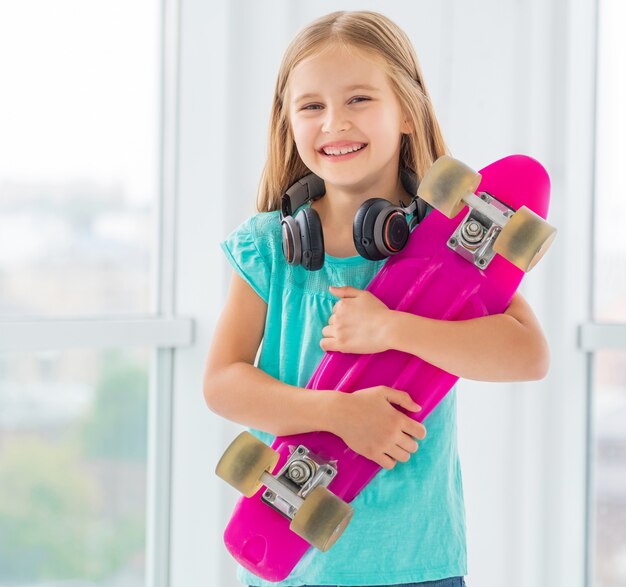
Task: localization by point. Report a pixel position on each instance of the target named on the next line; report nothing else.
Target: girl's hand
(358, 323)
(370, 425)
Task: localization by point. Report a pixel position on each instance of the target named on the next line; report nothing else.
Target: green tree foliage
(46, 504)
(56, 520)
(118, 425)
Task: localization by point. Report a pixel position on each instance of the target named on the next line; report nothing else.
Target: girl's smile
(342, 150)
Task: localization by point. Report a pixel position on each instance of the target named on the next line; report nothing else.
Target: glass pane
(609, 474)
(79, 145)
(610, 241)
(73, 441)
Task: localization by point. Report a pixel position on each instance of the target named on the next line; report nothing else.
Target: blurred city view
(609, 469)
(75, 249)
(73, 443)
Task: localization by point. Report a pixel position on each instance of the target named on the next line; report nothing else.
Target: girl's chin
(347, 170)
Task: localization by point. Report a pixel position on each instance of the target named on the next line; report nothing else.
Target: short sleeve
(243, 254)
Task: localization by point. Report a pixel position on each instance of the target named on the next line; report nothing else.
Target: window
(87, 324)
(608, 487)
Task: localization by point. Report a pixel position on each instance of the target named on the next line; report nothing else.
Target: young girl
(351, 106)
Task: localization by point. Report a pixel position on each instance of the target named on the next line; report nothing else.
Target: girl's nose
(335, 121)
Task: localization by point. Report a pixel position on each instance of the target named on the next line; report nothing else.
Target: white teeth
(342, 150)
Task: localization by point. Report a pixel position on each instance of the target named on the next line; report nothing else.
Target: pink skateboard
(454, 267)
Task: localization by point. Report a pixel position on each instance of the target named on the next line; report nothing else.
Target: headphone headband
(309, 188)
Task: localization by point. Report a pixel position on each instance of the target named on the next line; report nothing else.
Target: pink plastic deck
(427, 279)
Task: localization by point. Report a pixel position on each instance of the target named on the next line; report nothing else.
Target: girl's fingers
(386, 462)
(399, 454)
(408, 443)
(328, 344)
(417, 430)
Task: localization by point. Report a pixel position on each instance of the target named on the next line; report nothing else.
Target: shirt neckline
(354, 260)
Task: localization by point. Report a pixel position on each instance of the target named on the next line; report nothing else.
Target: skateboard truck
(298, 492)
(302, 473)
(474, 237)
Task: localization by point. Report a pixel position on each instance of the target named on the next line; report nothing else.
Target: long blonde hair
(372, 32)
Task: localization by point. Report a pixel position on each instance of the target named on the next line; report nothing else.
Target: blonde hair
(373, 33)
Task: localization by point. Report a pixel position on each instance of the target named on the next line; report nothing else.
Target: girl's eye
(359, 99)
(311, 107)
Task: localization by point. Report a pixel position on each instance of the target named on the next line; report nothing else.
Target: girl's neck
(339, 206)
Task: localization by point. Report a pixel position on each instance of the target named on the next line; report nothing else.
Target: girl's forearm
(491, 348)
(247, 395)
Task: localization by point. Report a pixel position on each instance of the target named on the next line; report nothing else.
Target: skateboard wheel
(244, 462)
(524, 239)
(322, 518)
(446, 183)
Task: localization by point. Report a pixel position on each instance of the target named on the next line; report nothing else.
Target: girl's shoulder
(253, 248)
(260, 232)
(263, 225)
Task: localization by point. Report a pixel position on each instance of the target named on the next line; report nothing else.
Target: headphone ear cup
(291, 241)
(312, 237)
(363, 229)
(391, 231)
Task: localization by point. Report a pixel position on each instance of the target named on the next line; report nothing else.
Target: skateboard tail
(256, 551)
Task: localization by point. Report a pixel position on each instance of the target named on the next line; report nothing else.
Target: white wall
(506, 76)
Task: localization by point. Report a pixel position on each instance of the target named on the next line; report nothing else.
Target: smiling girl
(351, 106)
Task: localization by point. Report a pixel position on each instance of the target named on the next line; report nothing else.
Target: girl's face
(346, 120)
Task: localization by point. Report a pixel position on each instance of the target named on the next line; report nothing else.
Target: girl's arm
(501, 347)
(233, 388)
(238, 391)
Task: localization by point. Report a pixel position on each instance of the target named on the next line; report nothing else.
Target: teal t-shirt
(409, 522)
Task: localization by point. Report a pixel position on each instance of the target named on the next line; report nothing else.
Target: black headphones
(380, 229)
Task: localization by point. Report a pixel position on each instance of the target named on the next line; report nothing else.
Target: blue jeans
(450, 582)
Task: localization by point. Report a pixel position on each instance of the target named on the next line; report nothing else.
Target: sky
(80, 92)
(611, 126)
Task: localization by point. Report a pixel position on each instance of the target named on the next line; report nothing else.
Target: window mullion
(594, 336)
(53, 335)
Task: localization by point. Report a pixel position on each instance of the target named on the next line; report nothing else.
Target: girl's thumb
(346, 291)
(403, 399)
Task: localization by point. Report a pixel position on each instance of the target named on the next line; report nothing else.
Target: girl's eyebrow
(347, 89)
